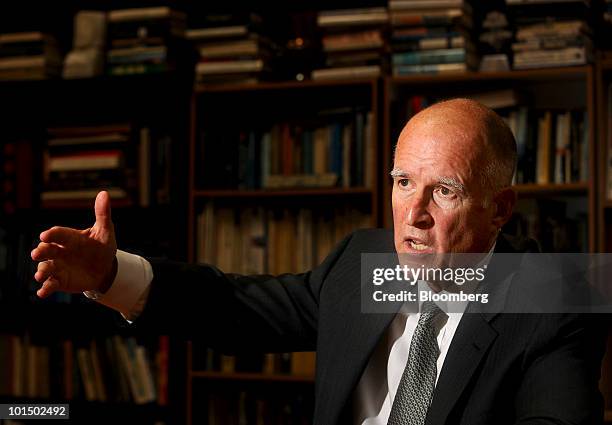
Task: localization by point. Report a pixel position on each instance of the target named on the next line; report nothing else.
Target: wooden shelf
(281, 85)
(547, 74)
(335, 191)
(259, 377)
(551, 189)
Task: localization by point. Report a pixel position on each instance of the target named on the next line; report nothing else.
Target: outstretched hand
(74, 260)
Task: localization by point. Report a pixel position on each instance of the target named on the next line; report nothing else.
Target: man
(452, 173)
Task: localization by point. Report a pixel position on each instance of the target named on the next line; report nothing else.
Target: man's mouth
(417, 244)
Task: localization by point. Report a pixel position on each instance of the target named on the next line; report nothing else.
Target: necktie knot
(429, 311)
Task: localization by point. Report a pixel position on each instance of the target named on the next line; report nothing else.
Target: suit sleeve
(560, 383)
(235, 313)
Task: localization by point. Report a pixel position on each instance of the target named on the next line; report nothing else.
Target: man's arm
(560, 384)
(231, 312)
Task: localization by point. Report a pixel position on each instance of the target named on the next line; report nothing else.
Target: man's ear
(504, 201)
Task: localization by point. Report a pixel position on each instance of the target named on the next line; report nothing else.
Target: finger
(44, 270)
(46, 251)
(102, 209)
(49, 286)
(60, 235)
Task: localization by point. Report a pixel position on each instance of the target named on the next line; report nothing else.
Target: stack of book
(427, 36)
(80, 161)
(550, 35)
(29, 56)
(144, 40)
(353, 42)
(492, 35)
(339, 152)
(231, 49)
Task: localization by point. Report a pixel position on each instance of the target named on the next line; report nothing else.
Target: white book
(143, 369)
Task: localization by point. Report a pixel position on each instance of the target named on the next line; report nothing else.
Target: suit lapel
(352, 341)
(471, 342)
(474, 334)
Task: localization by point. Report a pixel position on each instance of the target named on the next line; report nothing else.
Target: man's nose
(417, 211)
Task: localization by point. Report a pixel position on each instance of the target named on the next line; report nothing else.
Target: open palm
(72, 260)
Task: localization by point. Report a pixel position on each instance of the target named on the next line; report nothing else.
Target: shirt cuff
(130, 289)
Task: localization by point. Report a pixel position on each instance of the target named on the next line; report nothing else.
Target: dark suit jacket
(500, 368)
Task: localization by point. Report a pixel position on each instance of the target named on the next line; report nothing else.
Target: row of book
(424, 36)
(557, 225)
(115, 369)
(289, 155)
(552, 145)
(118, 42)
(297, 364)
(256, 241)
(127, 162)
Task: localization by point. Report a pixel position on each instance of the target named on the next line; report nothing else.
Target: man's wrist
(108, 281)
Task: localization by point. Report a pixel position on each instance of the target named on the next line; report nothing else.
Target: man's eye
(445, 191)
(403, 182)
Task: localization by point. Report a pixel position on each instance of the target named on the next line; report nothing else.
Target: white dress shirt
(375, 392)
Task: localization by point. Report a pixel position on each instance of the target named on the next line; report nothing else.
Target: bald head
(475, 129)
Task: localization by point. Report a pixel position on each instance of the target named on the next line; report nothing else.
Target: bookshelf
(533, 85)
(307, 97)
(603, 66)
(29, 109)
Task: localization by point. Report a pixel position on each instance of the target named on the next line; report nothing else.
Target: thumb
(103, 210)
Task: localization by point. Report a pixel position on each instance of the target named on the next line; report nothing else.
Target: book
(437, 68)
(352, 17)
(544, 148)
(366, 71)
(429, 57)
(89, 160)
(143, 13)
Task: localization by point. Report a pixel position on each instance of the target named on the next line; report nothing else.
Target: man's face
(439, 202)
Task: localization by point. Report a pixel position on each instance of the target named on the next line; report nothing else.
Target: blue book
(427, 57)
(335, 153)
(359, 142)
